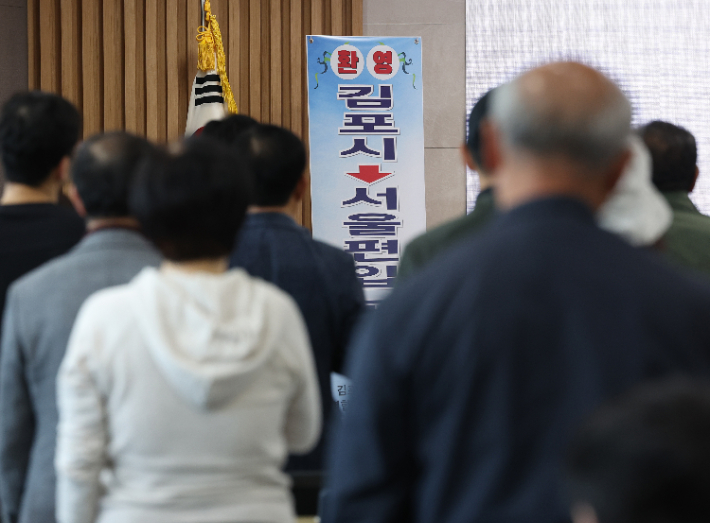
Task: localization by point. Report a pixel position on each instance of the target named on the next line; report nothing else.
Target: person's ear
(468, 158)
(61, 171)
(695, 180)
(76, 200)
(301, 186)
(584, 513)
(491, 146)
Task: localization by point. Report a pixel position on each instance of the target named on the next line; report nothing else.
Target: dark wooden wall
(129, 64)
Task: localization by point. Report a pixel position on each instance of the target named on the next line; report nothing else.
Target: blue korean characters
(367, 150)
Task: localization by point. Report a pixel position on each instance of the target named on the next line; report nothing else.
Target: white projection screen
(658, 51)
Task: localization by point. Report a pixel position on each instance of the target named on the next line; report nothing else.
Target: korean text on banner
(367, 150)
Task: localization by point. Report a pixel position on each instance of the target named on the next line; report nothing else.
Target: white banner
(367, 150)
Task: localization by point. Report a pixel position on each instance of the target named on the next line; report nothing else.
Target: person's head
(38, 132)
(102, 172)
(560, 129)
(644, 457)
(191, 199)
(674, 156)
(229, 129)
(473, 153)
(278, 160)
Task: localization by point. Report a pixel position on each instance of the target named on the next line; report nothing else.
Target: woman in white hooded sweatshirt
(182, 392)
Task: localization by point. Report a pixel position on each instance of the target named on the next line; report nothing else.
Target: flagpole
(202, 11)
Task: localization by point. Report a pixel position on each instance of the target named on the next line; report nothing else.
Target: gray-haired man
(472, 375)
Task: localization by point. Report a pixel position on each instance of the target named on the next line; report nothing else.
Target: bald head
(103, 169)
(564, 109)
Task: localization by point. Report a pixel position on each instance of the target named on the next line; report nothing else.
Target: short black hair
(478, 115)
(37, 130)
(646, 456)
(191, 199)
(103, 170)
(229, 129)
(674, 154)
(278, 160)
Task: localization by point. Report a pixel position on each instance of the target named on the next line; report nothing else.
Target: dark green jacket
(425, 248)
(687, 242)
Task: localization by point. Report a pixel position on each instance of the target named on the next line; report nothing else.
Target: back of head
(191, 199)
(37, 130)
(229, 129)
(646, 457)
(278, 160)
(478, 115)
(564, 109)
(103, 170)
(674, 155)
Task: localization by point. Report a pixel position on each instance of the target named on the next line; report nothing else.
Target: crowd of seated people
(166, 345)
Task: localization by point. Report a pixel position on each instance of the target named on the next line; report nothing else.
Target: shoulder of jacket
(44, 274)
(332, 254)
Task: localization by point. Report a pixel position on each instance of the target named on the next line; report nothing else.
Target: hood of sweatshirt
(207, 333)
(635, 210)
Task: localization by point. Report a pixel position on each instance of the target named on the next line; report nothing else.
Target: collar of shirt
(103, 236)
(485, 198)
(270, 219)
(551, 208)
(680, 201)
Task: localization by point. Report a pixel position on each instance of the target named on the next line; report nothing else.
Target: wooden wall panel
(275, 65)
(336, 17)
(71, 51)
(113, 49)
(172, 67)
(194, 19)
(242, 85)
(134, 79)
(129, 64)
(356, 18)
(156, 70)
(266, 58)
(285, 61)
(50, 45)
(183, 69)
(33, 56)
(92, 67)
(297, 46)
(255, 58)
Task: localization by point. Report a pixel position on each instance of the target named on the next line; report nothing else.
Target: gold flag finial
(210, 54)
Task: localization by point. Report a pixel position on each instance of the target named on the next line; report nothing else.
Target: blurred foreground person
(675, 172)
(182, 392)
(644, 458)
(271, 245)
(38, 132)
(425, 248)
(42, 306)
(472, 375)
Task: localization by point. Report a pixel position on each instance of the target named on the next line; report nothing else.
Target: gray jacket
(39, 314)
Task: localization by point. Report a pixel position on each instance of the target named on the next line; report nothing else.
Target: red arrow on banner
(369, 173)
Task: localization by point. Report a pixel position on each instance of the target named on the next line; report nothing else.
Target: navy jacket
(471, 377)
(322, 281)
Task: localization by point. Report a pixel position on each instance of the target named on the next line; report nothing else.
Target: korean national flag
(206, 102)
